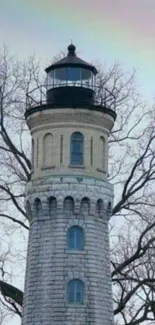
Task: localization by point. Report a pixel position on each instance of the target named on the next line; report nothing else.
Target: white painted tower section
(58, 197)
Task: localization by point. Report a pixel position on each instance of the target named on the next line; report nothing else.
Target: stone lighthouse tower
(68, 200)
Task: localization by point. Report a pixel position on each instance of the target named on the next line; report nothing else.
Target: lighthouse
(68, 200)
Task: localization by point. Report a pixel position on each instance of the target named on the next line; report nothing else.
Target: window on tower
(52, 206)
(102, 153)
(77, 148)
(32, 154)
(68, 205)
(75, 292)
(38, 208)
(48, 153)
(109, 209)
(75, 238)
(99, 207)
(85, 206)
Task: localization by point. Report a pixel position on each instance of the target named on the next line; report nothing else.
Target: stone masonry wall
(50, 265)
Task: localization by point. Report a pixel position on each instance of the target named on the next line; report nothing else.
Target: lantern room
(70, 81)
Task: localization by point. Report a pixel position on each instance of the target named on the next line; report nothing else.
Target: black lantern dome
(70, 81)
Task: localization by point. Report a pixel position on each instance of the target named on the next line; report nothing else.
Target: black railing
(38, 96)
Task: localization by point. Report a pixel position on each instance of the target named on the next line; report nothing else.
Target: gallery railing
(38, 96)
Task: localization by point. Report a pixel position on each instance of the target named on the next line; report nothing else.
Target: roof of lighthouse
(71, 60)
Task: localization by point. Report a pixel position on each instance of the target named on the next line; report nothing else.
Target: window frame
(78, 244)
(71, 207)
(48, 151)
(85, 200)
(73, 152)
(38, 208)
(102, 147)
(52, 206)
(100, 207)
(73, 290)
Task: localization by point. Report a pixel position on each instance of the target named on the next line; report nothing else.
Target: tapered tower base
(51, 264)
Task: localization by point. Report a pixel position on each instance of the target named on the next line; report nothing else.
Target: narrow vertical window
(77, 149)
(52, 206)
(38, 208)
(109, 209)
(102, 153)
(85, 206)
(99, 207)
(48, 150)
(61, 149)
(32, 154)
(75, 238)
(68, 205)
(91, 151)
(37, 152)
(75, 292)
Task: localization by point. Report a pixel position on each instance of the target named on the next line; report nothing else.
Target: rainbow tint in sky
(107, 30)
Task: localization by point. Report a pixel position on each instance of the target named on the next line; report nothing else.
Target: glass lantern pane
(73, 74)
(49, 80)
(60, 74)
(86, 74)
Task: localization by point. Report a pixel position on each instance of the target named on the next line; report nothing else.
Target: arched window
(52, 206)
(75, 292)
(75, 238)
(77, 149)
(102, 153)
(85, 206)
(99, 207)
(68, 205)
(109, 209)
(48, 150)
(38, 208)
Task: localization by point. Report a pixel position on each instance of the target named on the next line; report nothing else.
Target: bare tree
(16, 79)
(131, 170)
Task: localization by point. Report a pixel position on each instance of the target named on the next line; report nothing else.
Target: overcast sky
(113, 30)
(104, 30)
